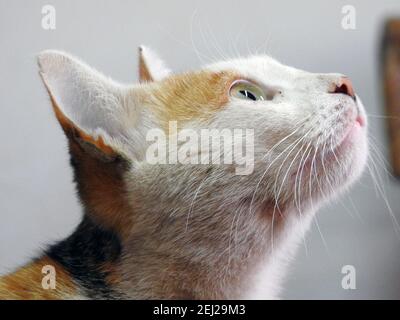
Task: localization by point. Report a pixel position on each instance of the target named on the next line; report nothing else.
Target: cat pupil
(248, 94)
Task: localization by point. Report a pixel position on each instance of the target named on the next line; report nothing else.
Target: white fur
(210, 202)
(93, 102)
(155, 65)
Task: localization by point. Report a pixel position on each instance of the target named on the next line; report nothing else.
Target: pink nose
(344, 86)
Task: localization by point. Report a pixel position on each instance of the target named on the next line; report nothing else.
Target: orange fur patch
(102, 190)
(26, 283)
(195, 95)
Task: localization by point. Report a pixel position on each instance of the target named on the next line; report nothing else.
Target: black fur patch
(84, 253)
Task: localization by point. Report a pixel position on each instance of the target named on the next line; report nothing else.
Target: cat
(187, 230)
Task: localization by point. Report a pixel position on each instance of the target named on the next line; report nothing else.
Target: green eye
(243, 89)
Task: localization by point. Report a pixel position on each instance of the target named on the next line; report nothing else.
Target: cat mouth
(329, 154)
(350, 132)
(349, 138)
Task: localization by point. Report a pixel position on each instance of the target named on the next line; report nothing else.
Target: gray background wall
(37, 200)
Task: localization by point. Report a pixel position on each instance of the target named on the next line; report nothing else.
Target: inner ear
(93, 112)
(87, 105)
(151, 67)
(94, 147)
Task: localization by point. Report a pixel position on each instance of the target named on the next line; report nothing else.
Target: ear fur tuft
(151, 67)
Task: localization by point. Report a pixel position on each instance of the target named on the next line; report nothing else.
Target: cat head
(288, 137)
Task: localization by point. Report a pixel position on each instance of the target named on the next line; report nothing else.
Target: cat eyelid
(268, 92)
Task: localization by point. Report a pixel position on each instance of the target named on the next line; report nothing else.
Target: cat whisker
(273, 161)
(373, 143)
(202, 57)
(263, 46)
(299, 198)
(310, 195)
(287, 172)
(214, 53)
(321, 188)
(276, 205)
(381, 191)
(291, 147)
(236, 41)
(296, 200)
(193, 200)
(199, 54)
(328, 179)
(382, 116)
(217, 47)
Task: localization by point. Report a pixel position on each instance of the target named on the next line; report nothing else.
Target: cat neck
(245, 268)
(96, 259)
(135, 249)
(89, 255)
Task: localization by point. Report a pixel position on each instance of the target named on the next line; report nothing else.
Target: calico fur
(180, 231)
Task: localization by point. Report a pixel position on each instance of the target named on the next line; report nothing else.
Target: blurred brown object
(391, 74)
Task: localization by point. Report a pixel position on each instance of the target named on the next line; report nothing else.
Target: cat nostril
(344, 86)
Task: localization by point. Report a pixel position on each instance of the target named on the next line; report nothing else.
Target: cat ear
(86, 103)
(151, 67)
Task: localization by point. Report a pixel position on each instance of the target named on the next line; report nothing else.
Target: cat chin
(349, 163)
(332, 171)
(354, 150)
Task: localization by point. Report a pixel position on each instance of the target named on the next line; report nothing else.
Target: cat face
(310, 129)
(189, 225)
(307, 130)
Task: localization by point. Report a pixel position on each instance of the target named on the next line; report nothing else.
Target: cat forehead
(201, 93)
(260, 67)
